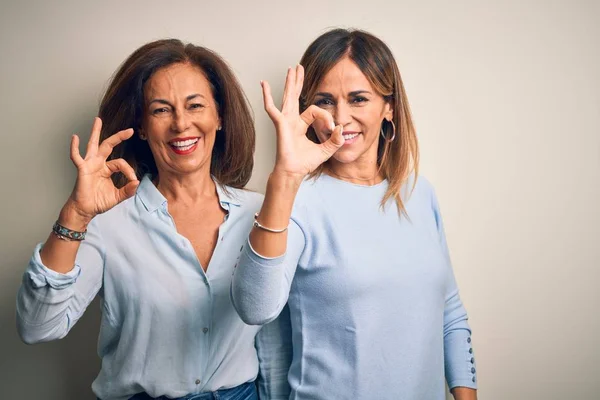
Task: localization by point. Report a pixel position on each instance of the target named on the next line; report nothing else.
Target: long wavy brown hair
(123, 104)
(397, 159)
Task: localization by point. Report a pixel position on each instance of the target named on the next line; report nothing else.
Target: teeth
(184, 148)
(185, 143)
(351, 136)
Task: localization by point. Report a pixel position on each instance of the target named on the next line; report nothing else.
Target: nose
(342, 114)
(180, 122)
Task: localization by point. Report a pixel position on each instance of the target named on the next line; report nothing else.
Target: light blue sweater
(375, 310)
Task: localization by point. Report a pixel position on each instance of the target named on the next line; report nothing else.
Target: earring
(219, 128)
(393, 132)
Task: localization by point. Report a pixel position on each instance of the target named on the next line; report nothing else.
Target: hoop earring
(393, 132)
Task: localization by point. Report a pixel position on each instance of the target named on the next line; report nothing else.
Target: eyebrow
(354, 93)
(188, 98)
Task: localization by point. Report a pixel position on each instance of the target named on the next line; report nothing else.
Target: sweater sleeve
(459, 360)
(50, 303)
(260, 285)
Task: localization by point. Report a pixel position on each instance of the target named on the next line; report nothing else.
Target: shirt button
(473, 379)
(472, 360)
(198, 381)
(468, 340)
(470, 351)
(205, 330)
(473, 370)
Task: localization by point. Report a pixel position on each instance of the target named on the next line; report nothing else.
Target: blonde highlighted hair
(396, 159)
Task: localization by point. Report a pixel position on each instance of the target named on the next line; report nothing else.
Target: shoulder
(311, 190)
(423, 187)
(246, 199)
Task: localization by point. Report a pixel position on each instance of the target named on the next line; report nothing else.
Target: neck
(359, 172)
(186, 189)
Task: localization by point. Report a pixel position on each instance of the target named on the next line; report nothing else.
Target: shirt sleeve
(274, 349)
(260, 285)
(459, 359)
(50, 303)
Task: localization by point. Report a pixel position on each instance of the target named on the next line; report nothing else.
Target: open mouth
(350, 137)
(184, 146)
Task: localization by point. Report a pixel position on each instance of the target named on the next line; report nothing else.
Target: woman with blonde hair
(358, 249)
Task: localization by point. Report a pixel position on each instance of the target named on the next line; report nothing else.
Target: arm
(260, 286)
(55, 291)
(458, 350)
(49, 303)
(463, 393)
(266, 268)
(274, 349)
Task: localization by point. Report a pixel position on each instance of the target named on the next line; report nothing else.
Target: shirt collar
(152, 199)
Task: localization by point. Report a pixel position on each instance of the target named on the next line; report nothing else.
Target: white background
(505, 97)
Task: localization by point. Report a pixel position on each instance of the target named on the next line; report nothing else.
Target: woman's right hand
(94, 191)
(296, 154)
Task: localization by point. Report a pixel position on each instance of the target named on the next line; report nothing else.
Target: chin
(345, 157)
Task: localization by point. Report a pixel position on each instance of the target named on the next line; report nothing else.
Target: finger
(334, 143)
(120, 165)
(290, 98)
(109, 143)
(75, 156)
(285, 86)
(270, 108)
(299, 79)
(128, 190)
(94, 141)
(314, 113)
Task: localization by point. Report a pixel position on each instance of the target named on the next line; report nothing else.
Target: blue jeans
(246, 391)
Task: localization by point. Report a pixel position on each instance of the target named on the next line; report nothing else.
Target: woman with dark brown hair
(358, 249)
(155, 225)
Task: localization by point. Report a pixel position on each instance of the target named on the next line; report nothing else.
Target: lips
(350, 137)
(184, 146)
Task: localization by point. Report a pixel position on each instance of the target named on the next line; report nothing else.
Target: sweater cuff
(460, 359)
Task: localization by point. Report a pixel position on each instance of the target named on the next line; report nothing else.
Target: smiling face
(348, 95)
(180, 119)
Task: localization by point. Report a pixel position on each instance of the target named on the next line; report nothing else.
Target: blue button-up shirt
(168, 327)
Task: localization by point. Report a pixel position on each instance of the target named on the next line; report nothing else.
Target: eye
(161, 110)
(195, 106)
(323, 102)
(359, 99)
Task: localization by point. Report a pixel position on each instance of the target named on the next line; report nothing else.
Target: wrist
(72, 218)
(283, 180)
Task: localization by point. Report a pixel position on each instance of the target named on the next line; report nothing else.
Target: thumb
(128, 190)
(335, 141)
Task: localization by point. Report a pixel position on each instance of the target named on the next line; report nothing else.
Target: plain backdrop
(506, 100)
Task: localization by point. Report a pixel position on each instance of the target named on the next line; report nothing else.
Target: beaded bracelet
(258, 225)
(67, 234)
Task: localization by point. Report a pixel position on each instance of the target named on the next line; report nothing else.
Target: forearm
(50, 302)
(463, 393)
(57, 254)
(275, 214)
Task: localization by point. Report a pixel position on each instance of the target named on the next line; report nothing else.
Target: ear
(142, 134)
(388, 112)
